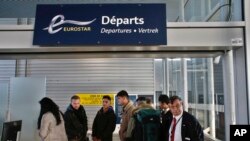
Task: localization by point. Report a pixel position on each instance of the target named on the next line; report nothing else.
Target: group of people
(53, 125)
(175, 123)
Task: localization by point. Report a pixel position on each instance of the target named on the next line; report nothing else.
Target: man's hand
(96, 139)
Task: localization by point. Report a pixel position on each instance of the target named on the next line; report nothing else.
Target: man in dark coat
(104, 122)
(165, 114)
(182, 125)
(76, 121)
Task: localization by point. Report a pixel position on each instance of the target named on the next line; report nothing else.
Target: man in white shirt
(182, 126)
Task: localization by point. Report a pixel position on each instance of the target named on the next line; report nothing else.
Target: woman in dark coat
(104, 122)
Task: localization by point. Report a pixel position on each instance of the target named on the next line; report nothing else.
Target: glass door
(204, 89)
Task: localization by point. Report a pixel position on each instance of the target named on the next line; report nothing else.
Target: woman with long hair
(50, 122)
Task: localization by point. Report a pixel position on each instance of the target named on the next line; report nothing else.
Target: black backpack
(147, 125)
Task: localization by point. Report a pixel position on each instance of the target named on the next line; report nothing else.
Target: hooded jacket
(75, 128)
(104, 124)
(131, 123)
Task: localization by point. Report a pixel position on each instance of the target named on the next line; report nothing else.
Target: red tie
(173, 129)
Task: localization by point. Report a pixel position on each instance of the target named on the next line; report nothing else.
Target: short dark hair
(75, 97)
(163, 99)
(148, 101)
(141, 99)
(175, 97)
(106, 97)
(122, 93)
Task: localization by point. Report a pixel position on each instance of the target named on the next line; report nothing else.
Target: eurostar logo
(61, 20)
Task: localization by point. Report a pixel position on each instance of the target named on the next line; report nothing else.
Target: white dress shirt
(177, 135)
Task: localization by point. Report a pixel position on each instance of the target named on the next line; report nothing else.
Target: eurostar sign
(100, 24)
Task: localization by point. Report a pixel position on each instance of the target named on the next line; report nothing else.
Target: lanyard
(175, 123)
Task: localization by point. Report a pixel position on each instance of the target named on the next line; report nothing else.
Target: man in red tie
(182, 126)
(172, 133)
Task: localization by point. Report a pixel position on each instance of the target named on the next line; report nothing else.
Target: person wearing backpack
(144, 124)
(182, 126)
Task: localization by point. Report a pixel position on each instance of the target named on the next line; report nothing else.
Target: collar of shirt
(178, 136)
(128, 105)
(165, 110)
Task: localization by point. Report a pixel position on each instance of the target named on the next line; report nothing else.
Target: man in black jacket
(182, 125)
(165, 114)
(76, 120)
(104, 122)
